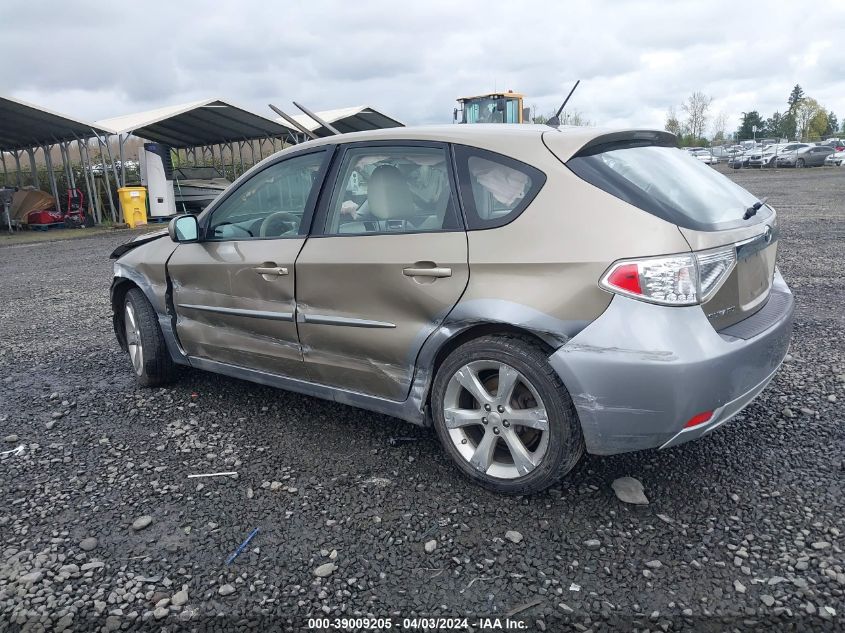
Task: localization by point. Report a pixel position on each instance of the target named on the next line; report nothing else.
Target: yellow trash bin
(133, 205)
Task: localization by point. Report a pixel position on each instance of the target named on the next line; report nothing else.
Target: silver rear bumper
(639, 372)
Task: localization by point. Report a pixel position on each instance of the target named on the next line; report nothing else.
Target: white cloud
(635, 59)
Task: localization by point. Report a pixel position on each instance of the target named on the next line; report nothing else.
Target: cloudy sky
(96, 60)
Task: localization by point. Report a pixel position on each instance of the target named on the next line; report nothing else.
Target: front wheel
(799, 163)
(144, 341)
(504, 416)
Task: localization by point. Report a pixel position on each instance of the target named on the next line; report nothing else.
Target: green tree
(673, 125)
(746, 127)
(795, 98)
(807, 118)
(817, 125)
(775, 125)
(790, 117)
(832, 124)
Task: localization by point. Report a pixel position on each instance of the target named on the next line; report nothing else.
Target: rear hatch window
(667, 182)
(707, 206)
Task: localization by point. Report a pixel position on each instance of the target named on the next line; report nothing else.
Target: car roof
(511, 139)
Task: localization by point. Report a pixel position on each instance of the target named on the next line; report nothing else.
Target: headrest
(388, 194)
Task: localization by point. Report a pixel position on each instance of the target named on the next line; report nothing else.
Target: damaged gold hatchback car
(531, 292)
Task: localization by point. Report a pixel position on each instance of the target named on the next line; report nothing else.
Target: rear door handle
(427, 272)
(272, 270)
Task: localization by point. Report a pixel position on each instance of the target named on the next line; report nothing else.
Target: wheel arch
(485, 329)
(121, 285)
(466, 324)
(119, 288)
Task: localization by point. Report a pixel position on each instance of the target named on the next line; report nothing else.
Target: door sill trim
(404, 410)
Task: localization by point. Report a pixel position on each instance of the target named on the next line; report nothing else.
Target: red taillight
(699, 418)
(626, 277)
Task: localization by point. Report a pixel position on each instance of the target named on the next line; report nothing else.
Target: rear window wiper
(753, 209)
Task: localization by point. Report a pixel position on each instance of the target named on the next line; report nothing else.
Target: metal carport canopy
(355, 119)
(24, 126)
(196, 124)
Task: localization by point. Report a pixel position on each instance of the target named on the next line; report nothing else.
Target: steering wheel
(278, 223)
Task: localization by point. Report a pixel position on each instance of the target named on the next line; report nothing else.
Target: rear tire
(799, 163)
(151, 361)
(527, 453)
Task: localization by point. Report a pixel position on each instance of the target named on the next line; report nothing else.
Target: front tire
(151, 361)
(504, 416)
(799, 163)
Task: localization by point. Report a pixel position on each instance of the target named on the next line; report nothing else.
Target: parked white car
(837, 159)
(705, 156)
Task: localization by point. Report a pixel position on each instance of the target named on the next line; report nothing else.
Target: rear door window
(669, 183)
(495, 189)
(392, 189)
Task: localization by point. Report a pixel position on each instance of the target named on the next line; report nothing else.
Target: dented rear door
(372, 288)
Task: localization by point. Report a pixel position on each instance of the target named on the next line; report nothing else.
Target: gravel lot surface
(102, 529)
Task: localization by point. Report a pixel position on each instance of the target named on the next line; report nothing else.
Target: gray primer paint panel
(674, 365)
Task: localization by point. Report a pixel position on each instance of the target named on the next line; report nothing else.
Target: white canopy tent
(25, 127)
(344, 120)
(202, 124)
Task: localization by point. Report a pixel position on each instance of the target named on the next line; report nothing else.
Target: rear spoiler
(622, 140)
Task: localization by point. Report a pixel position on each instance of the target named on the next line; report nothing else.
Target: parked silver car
(809, 156)
(532, 293)
(769, 154)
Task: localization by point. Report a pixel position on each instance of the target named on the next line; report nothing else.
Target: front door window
(269, 205)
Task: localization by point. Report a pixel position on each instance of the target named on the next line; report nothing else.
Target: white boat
(198, 186)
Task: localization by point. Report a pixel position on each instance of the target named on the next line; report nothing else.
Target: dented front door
(233, 291)
(235, 303)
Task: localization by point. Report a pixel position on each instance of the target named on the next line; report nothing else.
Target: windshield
(668, 183)
(485, 110)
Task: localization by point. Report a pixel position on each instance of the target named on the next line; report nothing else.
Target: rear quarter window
(495, 189)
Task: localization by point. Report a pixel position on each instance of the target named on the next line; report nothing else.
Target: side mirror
(501, 105)
(184, 228)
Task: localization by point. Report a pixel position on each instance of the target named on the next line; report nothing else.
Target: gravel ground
(101, 528)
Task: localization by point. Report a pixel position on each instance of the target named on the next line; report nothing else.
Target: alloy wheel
(133, 339)
(496, 419)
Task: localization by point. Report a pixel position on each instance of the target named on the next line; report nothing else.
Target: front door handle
(277, 271)
(427, 272)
